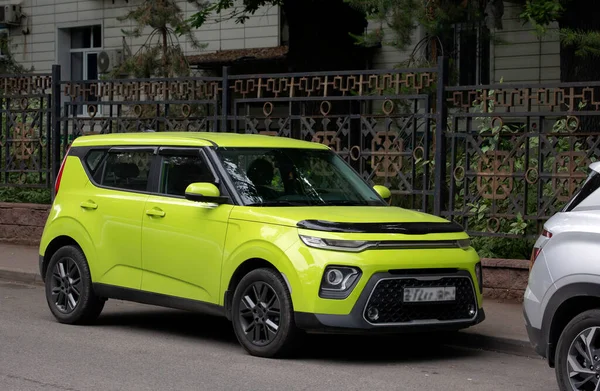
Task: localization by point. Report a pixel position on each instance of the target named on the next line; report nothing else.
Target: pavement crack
(40, 383)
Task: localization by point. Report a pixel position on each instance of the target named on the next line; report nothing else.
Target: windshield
(295, 177)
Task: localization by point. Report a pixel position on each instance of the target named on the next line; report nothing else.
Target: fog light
(334, 277)
(372, 313)
(471, 310)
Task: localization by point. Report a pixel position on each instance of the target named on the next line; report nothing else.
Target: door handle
(89, 205)
(155, 212)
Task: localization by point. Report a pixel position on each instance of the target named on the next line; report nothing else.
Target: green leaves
(238, 13)
(161, 54)
(587, 43)
(541, 13)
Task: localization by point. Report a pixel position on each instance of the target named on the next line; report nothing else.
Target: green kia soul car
(278, 235)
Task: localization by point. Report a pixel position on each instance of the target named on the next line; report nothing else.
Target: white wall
(519, 56)
(524, 57)
(40, 47)
(388, 57)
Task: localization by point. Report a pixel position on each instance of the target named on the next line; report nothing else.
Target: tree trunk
(164, 48)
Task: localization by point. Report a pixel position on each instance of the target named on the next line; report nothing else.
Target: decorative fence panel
(25, 131)
(379, 121)
(517, 154)
(509, 157)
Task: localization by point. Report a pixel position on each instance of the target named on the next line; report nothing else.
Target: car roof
(194, 139)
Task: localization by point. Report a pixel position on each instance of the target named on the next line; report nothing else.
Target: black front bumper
(355, 322)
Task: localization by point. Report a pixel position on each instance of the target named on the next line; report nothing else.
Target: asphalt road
(135, 347)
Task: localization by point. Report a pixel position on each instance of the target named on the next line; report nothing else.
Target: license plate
(420, 295)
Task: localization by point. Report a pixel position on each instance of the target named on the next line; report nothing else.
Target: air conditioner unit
(109, 60)
(10, 14)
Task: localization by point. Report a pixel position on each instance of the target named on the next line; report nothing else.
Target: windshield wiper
(279, 203)
(346, 203)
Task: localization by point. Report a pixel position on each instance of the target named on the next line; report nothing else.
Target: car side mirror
(204, 192)
(383, 192)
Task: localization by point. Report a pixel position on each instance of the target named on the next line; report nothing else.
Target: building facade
(72, 33)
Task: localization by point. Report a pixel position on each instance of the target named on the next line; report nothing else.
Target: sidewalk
(503, 330)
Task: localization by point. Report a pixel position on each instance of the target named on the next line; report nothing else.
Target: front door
(183, 241)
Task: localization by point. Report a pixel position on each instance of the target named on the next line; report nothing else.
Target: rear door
(111, 210)
(183, 241)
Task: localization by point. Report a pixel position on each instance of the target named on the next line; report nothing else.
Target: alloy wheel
(583, 362)
(260, 313)
(66, 285)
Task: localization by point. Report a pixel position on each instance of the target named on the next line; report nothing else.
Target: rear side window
(127, 170)
(178, 172)
(590, 186)
(93, 161)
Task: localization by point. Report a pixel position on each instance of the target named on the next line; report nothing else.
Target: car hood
(349, 219)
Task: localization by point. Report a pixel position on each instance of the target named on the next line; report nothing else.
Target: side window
(93, 161)
(590, 186)
(178, 172)
(127, 170)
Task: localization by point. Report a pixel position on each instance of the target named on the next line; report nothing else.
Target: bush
(503, 248)
(28, 196)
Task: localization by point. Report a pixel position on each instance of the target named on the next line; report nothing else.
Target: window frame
(223, 182)
(84, 72)
(186, 152)
(150, 186)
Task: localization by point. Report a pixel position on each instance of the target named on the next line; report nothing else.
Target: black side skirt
(157, 299)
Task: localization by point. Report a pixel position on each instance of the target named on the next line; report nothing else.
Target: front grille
(387, 298)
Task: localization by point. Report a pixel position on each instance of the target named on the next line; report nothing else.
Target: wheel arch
(566, 303)
(65, 230)
(56, 244)
(243, 269)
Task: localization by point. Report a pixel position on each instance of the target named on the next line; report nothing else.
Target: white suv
(562, 300)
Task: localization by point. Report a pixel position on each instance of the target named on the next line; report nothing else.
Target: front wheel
(578, 353)
(69, 290)
(262, 314)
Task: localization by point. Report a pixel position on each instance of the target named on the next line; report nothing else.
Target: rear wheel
(69, 292)
(262, 314)
(578, 353)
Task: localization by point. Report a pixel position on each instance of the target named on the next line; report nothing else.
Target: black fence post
(225, 100)
(55, 141)
(440, 137)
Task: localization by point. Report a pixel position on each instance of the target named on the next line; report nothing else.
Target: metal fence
(509, 156)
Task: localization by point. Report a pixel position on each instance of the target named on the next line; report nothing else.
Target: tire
(253, 325)
(582, 323)
(76, 282)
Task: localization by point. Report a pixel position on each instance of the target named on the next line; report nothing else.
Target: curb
(465, 339)
(471, 340)
(16, 275)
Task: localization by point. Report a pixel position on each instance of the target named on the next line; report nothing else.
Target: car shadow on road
(411, 348)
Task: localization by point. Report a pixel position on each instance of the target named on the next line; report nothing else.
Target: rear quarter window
(93, 160)
(590, 186)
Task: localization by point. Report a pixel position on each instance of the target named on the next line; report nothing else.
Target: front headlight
(333, 244)
(338, 282)
(479, 275)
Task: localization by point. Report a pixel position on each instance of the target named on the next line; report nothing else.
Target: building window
(86, 43)
(471, 53)
(3, 42)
